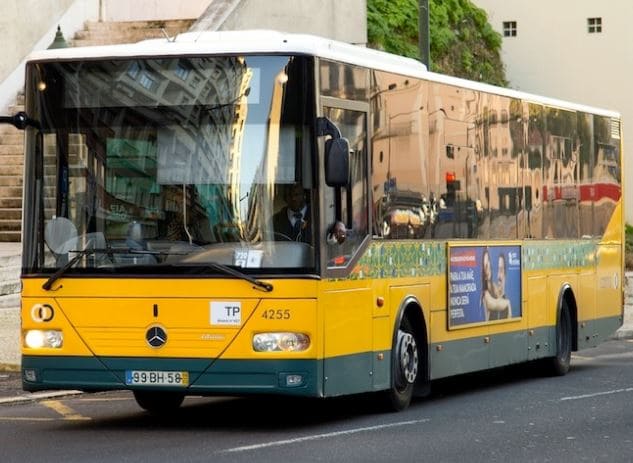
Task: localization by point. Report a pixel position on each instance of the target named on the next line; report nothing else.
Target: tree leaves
(463, 43)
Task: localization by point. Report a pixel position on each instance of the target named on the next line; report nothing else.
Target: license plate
(157, 378)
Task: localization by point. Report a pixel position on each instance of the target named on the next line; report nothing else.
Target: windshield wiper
(259, 284)
(79, 254)
(109, 251)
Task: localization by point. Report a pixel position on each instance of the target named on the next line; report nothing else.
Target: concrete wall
(344, 20)
(554, 55)
(27, 25)
(21, 29)
(144, 10)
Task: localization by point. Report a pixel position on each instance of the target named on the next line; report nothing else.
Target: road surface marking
(296, 440)
(66, 412)
(597, 394)
(105, 399)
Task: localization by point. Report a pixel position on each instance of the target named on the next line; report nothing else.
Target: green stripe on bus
(400, 259)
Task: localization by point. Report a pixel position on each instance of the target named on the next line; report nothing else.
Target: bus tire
(559, 364)
(405, 368)
(158, 402)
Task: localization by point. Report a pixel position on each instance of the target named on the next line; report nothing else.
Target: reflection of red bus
(599, 191)
(592, 192)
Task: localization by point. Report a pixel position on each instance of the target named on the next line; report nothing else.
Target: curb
(37, 396)
(623, 333)
(9, 367)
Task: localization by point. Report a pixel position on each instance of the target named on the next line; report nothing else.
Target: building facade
(573, 50)
(345, 21)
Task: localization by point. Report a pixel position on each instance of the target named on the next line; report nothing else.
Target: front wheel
(559, 365)
(405, 368)
(158, 402)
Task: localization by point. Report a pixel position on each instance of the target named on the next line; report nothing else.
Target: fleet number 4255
(276, 314)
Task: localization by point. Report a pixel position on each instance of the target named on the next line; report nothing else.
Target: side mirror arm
(20, 121)
(327, 127)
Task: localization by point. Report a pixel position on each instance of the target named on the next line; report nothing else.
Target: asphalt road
(512, 414)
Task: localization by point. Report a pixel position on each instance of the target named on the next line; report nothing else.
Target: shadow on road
(274, 413)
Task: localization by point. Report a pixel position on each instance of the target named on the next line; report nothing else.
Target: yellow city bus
(260, 213)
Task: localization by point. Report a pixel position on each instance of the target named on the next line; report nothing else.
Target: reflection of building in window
(134, 69)
(509, 28)
(594, 25)
(607, 165)
(181, 71)
(147, 82)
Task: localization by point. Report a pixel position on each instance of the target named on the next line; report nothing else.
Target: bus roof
(264, 41)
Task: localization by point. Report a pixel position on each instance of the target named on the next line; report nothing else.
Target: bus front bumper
(222, 377)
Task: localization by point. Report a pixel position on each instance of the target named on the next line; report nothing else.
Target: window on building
(509, 28)
(594, 25)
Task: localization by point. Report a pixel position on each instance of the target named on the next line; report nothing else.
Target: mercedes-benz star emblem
(156, 336)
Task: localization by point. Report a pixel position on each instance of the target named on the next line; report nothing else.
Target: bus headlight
(37, 339)
(280, 342)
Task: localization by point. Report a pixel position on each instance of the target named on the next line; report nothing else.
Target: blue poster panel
(484, 284)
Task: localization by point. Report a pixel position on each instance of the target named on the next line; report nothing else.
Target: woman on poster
(496, 304)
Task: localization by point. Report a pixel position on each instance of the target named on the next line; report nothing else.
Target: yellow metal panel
(168, 287)
(285, 315)
(117, 326)
(555, 284)
(73, 344)
(110, 317)
(440, 332)
(139, 312)
(348, 319)
(439, 293)
(420, 292)
(586, 296)
(383, 333)
(538, 310)
(614, 232)
(609, 281)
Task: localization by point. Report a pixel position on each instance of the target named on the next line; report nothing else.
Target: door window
(353, 198)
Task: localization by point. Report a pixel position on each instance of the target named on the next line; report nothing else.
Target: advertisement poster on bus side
(484, 284)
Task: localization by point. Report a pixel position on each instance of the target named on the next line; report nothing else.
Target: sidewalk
(10, 248)
(11, 390)
(10, 263)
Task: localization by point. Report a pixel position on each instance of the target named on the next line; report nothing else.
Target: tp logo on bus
(228, 313)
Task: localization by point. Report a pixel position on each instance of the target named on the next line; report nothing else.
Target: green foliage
(392, 25)
(628, 247)
(463, 43)
(628, 232)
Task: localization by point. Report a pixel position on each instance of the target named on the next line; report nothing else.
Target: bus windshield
(169, 163)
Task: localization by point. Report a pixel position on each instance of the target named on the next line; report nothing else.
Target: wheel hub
(407, 357)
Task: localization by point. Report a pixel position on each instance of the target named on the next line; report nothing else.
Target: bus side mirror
(336, 153)
(337, 162)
